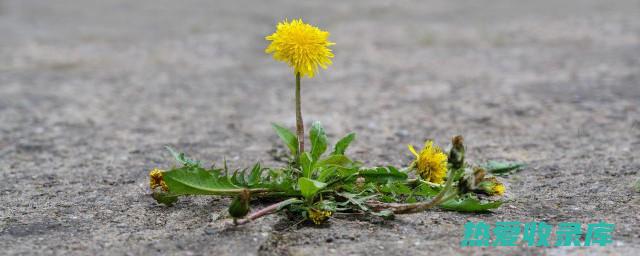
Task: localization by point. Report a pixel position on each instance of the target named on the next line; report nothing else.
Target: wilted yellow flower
(302, 46)
(491, 186)
(156, 180)
(499, 189)
(318, 216)
(430, 163)
(476, 179)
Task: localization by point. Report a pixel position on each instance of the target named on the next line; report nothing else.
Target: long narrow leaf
(383, 174)
(469, 204)
(343, 144)
(288, 137)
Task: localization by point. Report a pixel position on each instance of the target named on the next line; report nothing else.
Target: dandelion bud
(240, 205)
(478, 181)
(456, 154)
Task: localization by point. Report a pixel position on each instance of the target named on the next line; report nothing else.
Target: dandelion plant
(322, 181)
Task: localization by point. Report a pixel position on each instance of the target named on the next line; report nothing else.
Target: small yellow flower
(318, 216)
(491, 186)
(156, 180)
(499, 189)
(302, 46)
(430, 163)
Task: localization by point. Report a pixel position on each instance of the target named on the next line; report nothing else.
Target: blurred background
(92, 91)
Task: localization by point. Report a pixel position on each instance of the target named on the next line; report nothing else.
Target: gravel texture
(91, 92)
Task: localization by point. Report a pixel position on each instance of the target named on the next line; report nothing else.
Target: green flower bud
(240, 205)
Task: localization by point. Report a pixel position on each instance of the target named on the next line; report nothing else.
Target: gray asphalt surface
(91, 92)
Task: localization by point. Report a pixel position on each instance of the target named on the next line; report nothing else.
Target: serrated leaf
(309, 187)
(182, 158)
(502, 167)
(288, 137)
(318, 140)
(239, 177)
(357, 200)
(383, 174)
(469, 204)
(343, 144)
(254, 176)
(190, 180)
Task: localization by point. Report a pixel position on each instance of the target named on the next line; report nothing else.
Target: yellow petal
(413, 150)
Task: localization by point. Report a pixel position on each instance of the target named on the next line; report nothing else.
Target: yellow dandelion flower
(430, 163)
(156, 180)
(318, 216)
(302, 46)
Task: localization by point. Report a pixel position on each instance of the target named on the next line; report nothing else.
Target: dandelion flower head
(302, 46)
(430, 163)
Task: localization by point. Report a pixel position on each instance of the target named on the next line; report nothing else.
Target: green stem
(299, 122)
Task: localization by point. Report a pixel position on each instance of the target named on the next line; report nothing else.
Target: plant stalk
(263, 212)
(299, 122)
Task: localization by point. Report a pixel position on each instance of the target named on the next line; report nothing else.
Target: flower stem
(263, 212)
(299, 122)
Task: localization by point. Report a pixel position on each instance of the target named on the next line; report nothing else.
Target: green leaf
(306, 163)
(288, 137)
(193, 180)
(181, 158)
(383, 174)
(254, 176)
(318, 140)
(326, 205)
(335, 172)
(334, 160)
(395, 188)
(164, 198)
(343, 144)
(198, 181)
(637, 186)
(238, 177)
(309, 187)
(426, 190)
(357, 200)
(502, 167)
(288, 202)
(469, 204)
